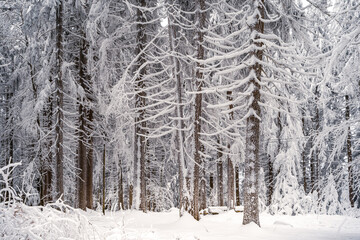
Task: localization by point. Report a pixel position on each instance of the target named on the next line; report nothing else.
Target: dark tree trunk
(82, 161)
(10, 139)
(251, 194)
(237, 185)
(103, 182)
(121, 188)
(131, 190)
(349, 155)
(270, 180)
(315, 160)
(90, 159)
(85, 128)
(312, 167)
(140, 103)
(220, 172)
(59, 128)
(272, 174)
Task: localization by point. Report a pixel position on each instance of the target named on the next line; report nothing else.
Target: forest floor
(23, 222)
(227, 226)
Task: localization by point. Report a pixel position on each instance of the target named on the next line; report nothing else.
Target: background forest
(187, 104)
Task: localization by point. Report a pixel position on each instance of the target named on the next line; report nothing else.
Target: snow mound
(20, 221)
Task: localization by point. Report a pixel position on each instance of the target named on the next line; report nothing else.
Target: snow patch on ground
(23, 222)
(168, 225)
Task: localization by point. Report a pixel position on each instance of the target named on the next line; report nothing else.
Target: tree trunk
(315, 160)
(198, 106)
(140, 102)
(230, 182)
(304, 162)
(203, 189)
(90, 159)
(220, 176)
(270, 180)
(10, 140)
(230, 173)
(49, 156)
(82, 161)
(59, 128)
(103, 182)
(237, 185)
(179, 115)
(85, 128)
(131, 190)
(272, 174)
(121, 189)
(349, 155)
(251, 192)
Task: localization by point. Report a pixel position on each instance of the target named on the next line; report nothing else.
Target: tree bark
(103, 182)
(140, 99)
(230, 173)
(59, 128)
(251, 192)
(121, 188)
(237, 185)
(82, 161)
(304, 162)
(48, 156)
(220, 176)
(85, 128)
(315, 160)
(131, 190)
(349, 155)
(90, 160)
(179, 115)
(198, 106)
(270, 180)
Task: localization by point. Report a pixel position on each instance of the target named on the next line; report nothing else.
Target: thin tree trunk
(59, 128)
(103, 182)
(90, 159)
(237, 185)
(211, 181)
(312, 167)
(220, 175)
(121, 189)
(136, 166)
(180, 116)
(270, 180)
(315, 160)
(272, 174)
(198, 106)
(349, 155)
(304, 163)
(251, 192)
(230, 173)
(131, 190)
(10, 140)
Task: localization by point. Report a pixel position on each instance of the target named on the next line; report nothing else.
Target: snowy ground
(24, 222)
(137, 225)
